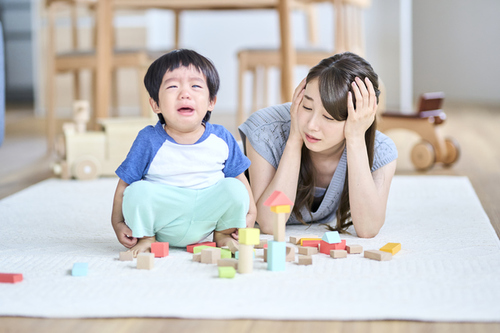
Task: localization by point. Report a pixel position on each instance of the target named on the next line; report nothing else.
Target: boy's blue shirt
(156, 157)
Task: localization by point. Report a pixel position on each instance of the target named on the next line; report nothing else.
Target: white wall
(457, 49)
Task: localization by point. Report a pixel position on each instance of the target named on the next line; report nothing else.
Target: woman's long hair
(335, 75)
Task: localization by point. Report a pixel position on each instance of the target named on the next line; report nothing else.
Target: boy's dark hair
(173, 60)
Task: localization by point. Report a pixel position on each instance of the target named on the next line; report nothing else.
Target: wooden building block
(392, 248)
(159, 249)
(145, 261)
(198, 249)
(262, 244)
(276, 256)
(336, 254)
(378, 255)
(126, 256)
(305, 260)
(237, 255)
(10, 277)
(279, 226)
(249, 236)
(352, 249)
(197, 257)
(307, 250)
(331, 237)
(190, 248)
(233, 246)
(80, 269)
(340, 246)
(277, 198)
(225, 254)
(227, 272)
(314, 242)
(325, 247)
(228, 262)
(265, 254)
(210, 255)
(280, 209)
(296, 239)
(290, 253)
(245, 259)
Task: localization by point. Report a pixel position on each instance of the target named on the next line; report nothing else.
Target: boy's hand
(123, 233)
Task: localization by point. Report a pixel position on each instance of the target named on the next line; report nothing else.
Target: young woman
(323, 150)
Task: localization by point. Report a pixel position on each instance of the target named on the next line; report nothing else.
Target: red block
(159, 249)
(325, 247)
(311, 243)
(192, 246)
(339, 246)
(10, 278)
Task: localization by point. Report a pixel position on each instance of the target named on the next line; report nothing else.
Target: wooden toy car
(433, 148)
(86, 154)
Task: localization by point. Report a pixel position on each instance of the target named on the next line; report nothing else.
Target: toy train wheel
(452, 151)
(423, 156)
(86, 168)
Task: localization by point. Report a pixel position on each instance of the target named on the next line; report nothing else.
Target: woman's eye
(308, 109)
(196, 86)
(171, 87)
(327, 117)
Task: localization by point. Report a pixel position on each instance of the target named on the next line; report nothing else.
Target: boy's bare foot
(143, 245)
(223, 237)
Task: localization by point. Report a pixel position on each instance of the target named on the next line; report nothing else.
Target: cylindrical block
(245, 259)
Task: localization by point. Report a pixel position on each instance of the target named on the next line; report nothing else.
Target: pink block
(192, 246)
(159, 249)
(10, 278)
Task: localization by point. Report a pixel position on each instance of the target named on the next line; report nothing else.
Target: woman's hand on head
(359, 119)
(298, 95)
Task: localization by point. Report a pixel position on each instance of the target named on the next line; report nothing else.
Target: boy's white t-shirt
(157, 158)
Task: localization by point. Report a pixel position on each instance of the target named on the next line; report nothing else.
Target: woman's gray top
(267, 131)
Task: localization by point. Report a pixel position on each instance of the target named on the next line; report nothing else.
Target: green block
(198, 249)
(227, 272)
(225, 254)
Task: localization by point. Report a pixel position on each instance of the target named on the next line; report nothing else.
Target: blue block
(276, 256)
(80, 269)
(331, 237)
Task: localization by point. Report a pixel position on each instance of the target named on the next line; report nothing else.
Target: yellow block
(307, 239)
(281, 209)
(249, 236)
(392, 248)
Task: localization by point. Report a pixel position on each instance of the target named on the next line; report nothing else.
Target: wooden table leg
(104, 52)
(288, 55)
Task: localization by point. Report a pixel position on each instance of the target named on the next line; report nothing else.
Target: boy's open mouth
(185, 110)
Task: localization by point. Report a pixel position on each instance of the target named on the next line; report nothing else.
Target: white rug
(448, 268)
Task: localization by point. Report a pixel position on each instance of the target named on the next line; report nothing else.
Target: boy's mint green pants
(182, 216)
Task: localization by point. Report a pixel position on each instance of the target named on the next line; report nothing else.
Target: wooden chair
(433, 148)
(258, 62)
(348, 37)
(75, 60)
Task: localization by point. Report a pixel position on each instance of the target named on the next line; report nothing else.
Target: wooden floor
(23, 162)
